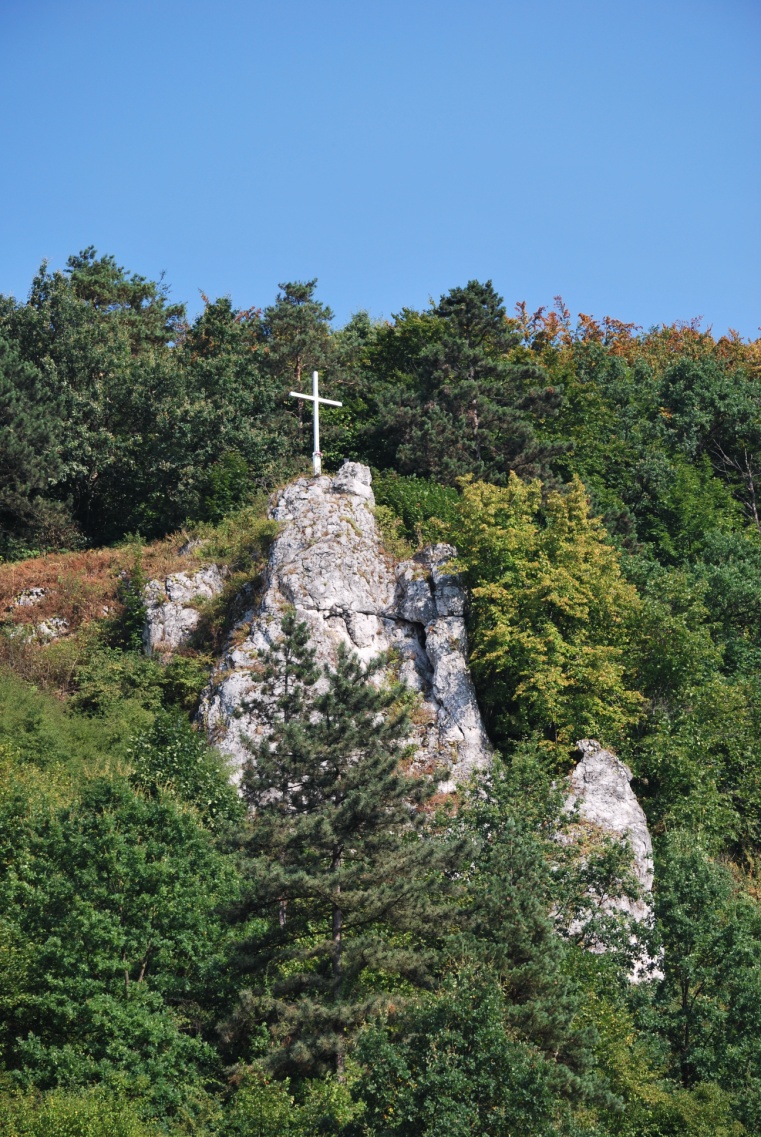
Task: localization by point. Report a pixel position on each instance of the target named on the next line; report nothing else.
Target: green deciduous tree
(497, 1047)
(84, 1113)
(110, 923)
(163, 422)
(729, 569)
(171, 756)
(451, 1065)
(715, 411)
(710, 997)
(550, 613)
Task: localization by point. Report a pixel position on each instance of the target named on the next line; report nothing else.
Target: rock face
(47, 630)
(171, 618)
(328, 564)
(600, 788)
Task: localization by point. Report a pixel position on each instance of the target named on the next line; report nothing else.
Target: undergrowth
(426, 510)
(95, 599)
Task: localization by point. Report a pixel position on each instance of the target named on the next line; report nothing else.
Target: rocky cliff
(605, 805)
(328, 563)
(171, 612)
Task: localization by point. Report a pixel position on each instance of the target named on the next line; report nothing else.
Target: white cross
(315, 399)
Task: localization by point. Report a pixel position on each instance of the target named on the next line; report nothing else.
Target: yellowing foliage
(550, 612)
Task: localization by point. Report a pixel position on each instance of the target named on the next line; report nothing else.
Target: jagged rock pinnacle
(329, 564)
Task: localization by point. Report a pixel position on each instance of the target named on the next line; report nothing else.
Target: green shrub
(42, 733)
(112, 676)
(266, 1108)
(425, 508)
(88, 1113)
(171, 755)
(393, 535)
(130, 593)
(185, 677)
(242, 540)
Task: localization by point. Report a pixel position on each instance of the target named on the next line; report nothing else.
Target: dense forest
(169, 965)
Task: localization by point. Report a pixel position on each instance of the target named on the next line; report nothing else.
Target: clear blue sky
(607, 151)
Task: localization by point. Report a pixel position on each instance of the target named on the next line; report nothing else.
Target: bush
(419, 503)
(171, 755)
(266, 1108)
(89, 1113)
(241, 540)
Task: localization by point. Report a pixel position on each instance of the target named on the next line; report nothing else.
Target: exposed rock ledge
(601, 793)
(600, 787)
(329, 564)
(170, 614)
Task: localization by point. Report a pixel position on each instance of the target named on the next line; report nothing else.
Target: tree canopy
(335, 946)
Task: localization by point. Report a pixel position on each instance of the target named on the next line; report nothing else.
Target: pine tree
(30, 434)
(442, 397)
(340, 872)
(295, 340)
(296, 331)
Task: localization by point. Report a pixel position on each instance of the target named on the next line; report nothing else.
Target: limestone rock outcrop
(171, 614)
(604, 802)
(329, 564)
(600, 789)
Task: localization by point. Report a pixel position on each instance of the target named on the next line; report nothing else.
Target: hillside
(564, 544)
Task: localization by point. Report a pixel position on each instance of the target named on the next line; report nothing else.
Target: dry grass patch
(80, 588)
(57, 610)
(83, 586)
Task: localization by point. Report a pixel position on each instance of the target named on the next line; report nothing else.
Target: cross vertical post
(315, 399)
(316, 452)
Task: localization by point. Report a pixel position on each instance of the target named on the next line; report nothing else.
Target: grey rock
(28, 598)
(52, 628)
(600, 786)
(413, 596)
(602, 797)
(43, 633)
(328, 563)
(171, 617)
(354, 478)
(450, 597)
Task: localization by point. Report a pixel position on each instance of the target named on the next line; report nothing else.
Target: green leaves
(450, 1065)
(30, 437)
(171, 756)
(550, 613)
(440, 398)
(114, 899)
(336, 859)
(94, 1113)
(164, 423)
(711, 992)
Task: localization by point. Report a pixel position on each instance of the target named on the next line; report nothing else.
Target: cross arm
(311, 398)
